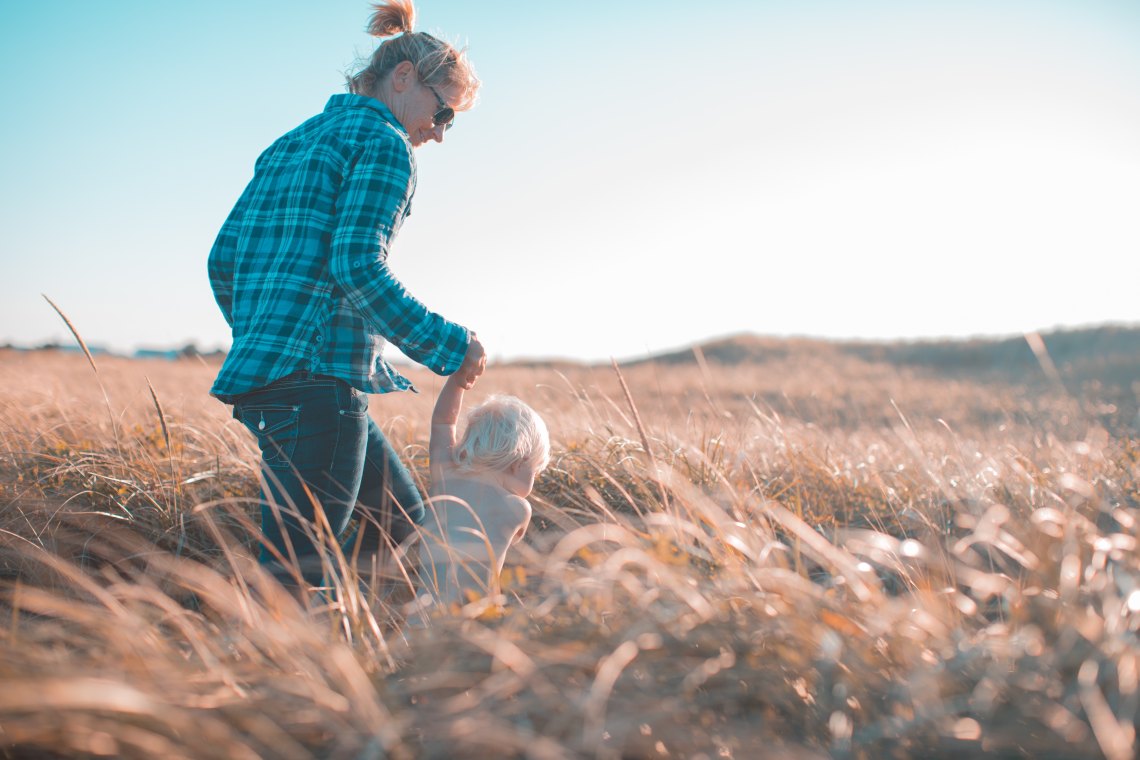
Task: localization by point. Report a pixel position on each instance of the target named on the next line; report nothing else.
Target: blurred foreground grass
(813, 558)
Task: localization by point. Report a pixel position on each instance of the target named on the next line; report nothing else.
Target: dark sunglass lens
(443, 117)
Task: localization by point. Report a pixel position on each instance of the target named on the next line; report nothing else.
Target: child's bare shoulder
(507, 505)
(505, 511)
(518, 505)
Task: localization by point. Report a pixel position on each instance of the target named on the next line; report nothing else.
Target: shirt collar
(351, 100)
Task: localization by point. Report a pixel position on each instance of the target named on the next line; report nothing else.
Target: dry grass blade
(74, 332)
(609, 669)
(161, 415)
(91, 361)
(1037, 344)
(641, 433)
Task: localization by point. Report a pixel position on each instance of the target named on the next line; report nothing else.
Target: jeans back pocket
(276, 427)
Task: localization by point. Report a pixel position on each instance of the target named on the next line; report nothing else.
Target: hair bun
(391, 18)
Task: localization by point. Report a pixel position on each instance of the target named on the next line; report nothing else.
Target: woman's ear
(403, 76)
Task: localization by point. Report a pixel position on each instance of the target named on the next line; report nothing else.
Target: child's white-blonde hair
(501, 432)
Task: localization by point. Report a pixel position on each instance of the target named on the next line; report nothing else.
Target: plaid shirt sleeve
(373, 197)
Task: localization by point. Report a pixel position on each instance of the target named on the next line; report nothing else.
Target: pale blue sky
(637, 176)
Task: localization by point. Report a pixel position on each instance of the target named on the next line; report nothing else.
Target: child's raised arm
(445, 415)
(443, 419)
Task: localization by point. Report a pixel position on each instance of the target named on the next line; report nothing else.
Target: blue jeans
(316, 438)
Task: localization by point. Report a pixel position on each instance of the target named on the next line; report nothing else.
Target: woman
(300, 272)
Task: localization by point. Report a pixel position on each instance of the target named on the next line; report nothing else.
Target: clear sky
(637, 175)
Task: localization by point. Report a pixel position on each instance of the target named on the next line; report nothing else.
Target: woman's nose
(437, 132)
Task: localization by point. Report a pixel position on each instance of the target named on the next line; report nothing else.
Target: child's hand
(474, 362)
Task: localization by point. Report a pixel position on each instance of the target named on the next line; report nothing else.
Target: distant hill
(1105, 357)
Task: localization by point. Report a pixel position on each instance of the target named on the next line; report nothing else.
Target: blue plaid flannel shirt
(300, 267)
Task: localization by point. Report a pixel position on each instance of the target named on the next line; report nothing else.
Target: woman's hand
(474, 362)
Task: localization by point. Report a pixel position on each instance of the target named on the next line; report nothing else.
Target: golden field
(821, 554)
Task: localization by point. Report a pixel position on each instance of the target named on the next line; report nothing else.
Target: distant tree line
(188, 351)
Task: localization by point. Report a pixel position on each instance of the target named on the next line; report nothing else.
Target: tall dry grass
(820, 558)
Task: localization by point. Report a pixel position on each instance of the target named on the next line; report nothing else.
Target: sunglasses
(445, 116)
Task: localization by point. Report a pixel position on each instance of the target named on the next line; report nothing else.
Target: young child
(478, 505)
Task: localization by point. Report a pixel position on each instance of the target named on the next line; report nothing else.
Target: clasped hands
(474, 363)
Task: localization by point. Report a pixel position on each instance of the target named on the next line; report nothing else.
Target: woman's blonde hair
(501, 432)
(436, 62)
